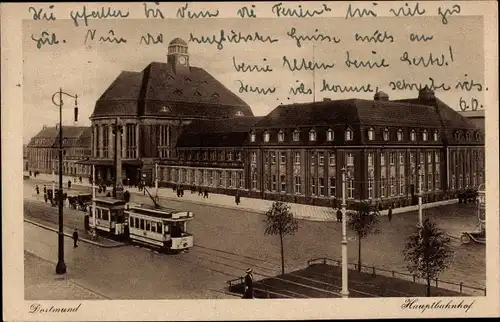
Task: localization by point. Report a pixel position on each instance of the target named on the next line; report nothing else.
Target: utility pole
(420, 221)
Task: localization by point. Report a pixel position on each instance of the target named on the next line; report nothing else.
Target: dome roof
(178, 41)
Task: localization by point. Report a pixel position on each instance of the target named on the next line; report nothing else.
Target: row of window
(143, 224)
(222, 178)
(204, 155)
(348, 135)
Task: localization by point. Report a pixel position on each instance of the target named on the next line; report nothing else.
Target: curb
(70, 236)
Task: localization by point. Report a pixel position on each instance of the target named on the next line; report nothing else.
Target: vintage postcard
(249, 161)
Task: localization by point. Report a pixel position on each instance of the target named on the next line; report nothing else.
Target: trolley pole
(345, 291)
(420, 220)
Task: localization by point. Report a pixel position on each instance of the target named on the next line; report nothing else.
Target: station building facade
(153, 107)
(43, 156)
(297, 152)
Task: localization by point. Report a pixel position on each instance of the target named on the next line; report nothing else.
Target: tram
(160, 227)
(110, 216)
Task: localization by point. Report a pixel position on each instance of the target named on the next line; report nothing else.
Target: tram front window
(178, 229)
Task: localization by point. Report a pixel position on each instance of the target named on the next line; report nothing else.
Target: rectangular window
(230, 156)
(429, 157)
(401, 184)
(142, 224)
(429, 182)
(421, 157)
(370, 159)
(153, 227)
(382, 159)
(274, 183)
(229, 178)
(131, 222)
(283, 183)
(219, 174)
(254, 181)
(436, 157)
(370, 188)
(392, 158)
(239, 183)
(350, 159)
(238, 156)
(266, 157)
(136, 223)
(382, 186)
(297, 185)
(333, 182)
(393, 186)
(273, 157)
(350, 189)
(282, 157)
(254, 157)
(297, 157)
(159, 227)
(313, 158)
(211, 178)
(332, 160)
(313, 186)
(321, 158)
(148, 225)
(321, 186)
(296, 136)
(401, 158)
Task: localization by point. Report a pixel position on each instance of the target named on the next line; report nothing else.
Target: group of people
(339, 214)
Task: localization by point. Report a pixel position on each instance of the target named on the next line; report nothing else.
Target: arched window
(312, 135)
(386, 134)
(329, 135)
(371, 134)
(400, 135)
(296, 135)
(467, 136)
(252, 137)
(348, 134)
(267, 136)
(413, 135)
(281, 136)
(436, 135)
(424, 135)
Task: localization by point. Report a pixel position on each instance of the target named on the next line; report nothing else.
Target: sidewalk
(260, 206)
(41, 283)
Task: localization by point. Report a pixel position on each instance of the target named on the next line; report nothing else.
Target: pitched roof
(51, 134)
(191, 93)
(214, 133)
(349, 112)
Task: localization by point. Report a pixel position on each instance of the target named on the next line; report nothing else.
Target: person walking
(45, 197)
(237, 199)
(75, 238)
(205, 194)
(389, 213)
(200, 193)
(248, 292)
(69, 184)
(37, 190)
(339, 215)
(44, 189)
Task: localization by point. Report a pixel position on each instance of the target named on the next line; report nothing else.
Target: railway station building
(297, 152)
(153, 107)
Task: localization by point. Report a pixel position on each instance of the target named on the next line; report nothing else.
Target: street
(228, 241)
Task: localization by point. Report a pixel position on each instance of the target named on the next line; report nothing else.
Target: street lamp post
(53, 180)
(117, 132)
(156, 180)
(61, 266)
(345, 291)
(93, 231)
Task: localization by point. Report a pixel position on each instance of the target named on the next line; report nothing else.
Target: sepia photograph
(281, 152)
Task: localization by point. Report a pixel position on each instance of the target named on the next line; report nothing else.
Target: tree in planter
(280, 221)
(363, 220)
(428, 252)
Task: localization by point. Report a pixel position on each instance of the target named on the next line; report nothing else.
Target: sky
(87, 69)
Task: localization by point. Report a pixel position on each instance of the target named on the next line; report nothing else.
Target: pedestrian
(200, 191)
(44, 189)
(248, 292)
(69, 184)
(37, 190)
(389, 213)
(237, 199)
(206, 194)
(80, 178)
(126, 196)
(75, 238)
(339, 215)
(30, 173)
(45, 197)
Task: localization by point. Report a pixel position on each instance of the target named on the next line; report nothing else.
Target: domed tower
(178, 55)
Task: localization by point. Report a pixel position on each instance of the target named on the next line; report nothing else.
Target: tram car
(110, 217)
(160, 227)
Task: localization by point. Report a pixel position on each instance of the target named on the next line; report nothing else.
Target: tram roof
(161, 212)
(109, 201)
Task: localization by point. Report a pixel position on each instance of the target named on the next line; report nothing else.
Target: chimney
(426, 94)
(381, 96)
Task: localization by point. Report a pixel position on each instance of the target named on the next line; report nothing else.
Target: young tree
(280, 221)
(428, 252)
(363, 220)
